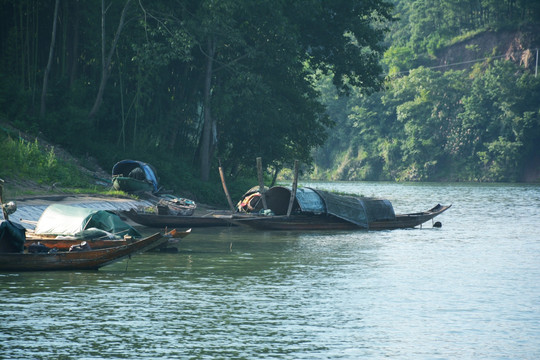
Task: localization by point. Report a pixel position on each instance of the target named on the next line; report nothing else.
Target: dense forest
(185, 84)
(354, 89)
(461, 100)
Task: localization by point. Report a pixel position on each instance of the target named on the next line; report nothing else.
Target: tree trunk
(207, 126)
(75, 46)
(106, 63)
(277, 169)
(49, 62)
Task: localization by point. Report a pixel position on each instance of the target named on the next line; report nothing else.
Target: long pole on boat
(261, 182)
(222, 176)
(294, 186)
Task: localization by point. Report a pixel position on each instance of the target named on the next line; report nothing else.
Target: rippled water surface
(470, 289)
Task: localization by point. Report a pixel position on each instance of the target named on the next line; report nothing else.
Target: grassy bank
(36, 168)
(32, 166)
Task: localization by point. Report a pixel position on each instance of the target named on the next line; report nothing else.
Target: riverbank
(30, 208)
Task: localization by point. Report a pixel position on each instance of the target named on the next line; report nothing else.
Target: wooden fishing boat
(14, 256)
(62, 226)
(77, 260)
(332, 222)
(158, 221)
(311, 209)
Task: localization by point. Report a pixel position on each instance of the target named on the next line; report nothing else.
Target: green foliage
(500, 160)
(243, 67)
(28, 160)
(428, 25)
(268, 77)
(398, 59)
(430, 125)
(435, 125)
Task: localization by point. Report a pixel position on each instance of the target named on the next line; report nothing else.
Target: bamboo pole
(222, 176)
(294, 186)
(261, 182)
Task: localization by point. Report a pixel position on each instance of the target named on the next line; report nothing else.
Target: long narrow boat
(158, 221)
(312, 209)
(14, 257)
(331, 222)
(62, 226)
(77, 260)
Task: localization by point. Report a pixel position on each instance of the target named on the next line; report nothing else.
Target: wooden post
(225, 188)
(261, 182)
(294, 186)
(536, 68)
(4, 213)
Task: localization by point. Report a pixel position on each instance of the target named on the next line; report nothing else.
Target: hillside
(516, 46)
(184, 85)
(32, 165)
(470, 114)
(458, 102)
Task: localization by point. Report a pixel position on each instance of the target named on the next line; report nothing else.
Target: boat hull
(294, 222)
(77, 260)
(329, 222)
(159, 221)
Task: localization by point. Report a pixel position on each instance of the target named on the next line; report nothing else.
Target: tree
(49, 62)
(499, 108)
(190, 77)
(275, 41)
(106, 63)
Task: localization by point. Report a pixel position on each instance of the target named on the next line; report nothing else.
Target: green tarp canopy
(71, 220)
(358, 210)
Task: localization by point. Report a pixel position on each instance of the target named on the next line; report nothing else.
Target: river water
(468, 290)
